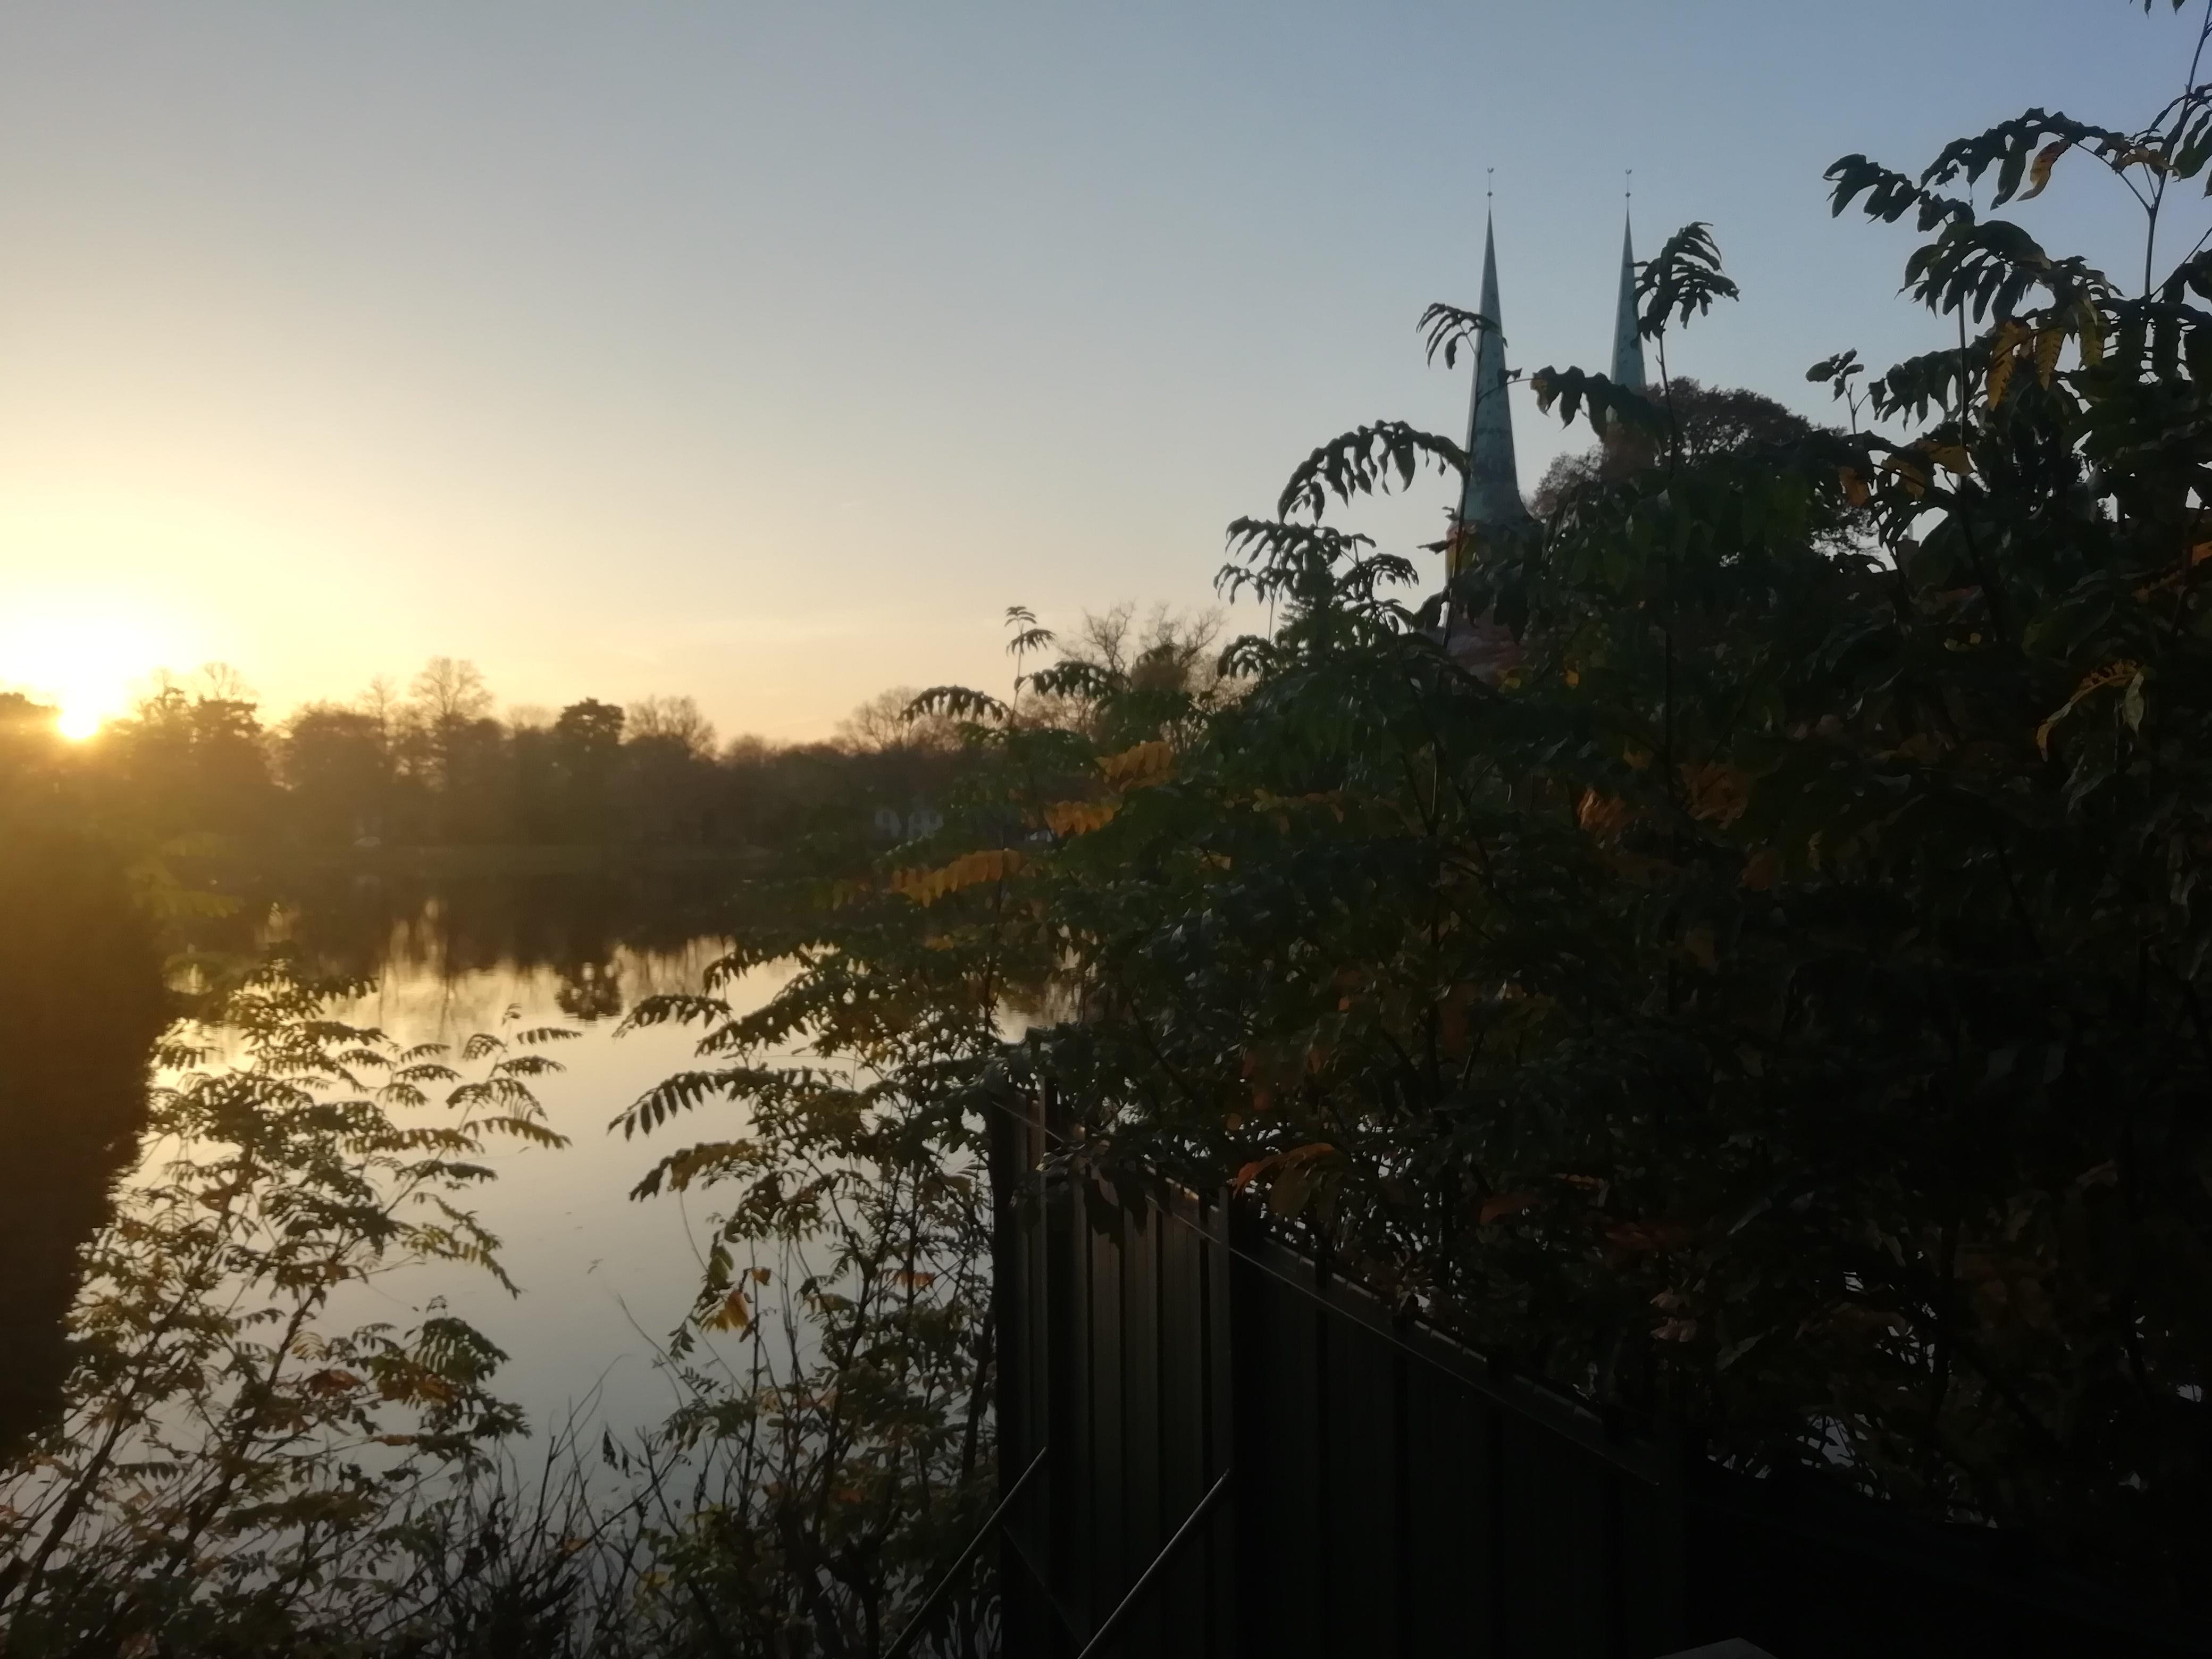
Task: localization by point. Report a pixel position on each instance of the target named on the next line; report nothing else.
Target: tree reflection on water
(81, 1002)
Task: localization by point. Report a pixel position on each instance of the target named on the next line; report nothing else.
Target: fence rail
(1246, 1456)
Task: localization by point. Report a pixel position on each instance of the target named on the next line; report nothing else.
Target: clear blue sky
(767, 352)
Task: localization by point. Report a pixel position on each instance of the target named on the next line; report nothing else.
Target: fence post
(1009, 1143)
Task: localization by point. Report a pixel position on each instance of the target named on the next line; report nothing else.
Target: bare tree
(218, 682)
(451, 689)
(673, 719)
(881, 724)
(381, 701)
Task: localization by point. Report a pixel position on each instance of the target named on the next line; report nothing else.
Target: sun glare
(76, 724)
(82, 659)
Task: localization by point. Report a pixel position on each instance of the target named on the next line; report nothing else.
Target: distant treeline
(434, 768)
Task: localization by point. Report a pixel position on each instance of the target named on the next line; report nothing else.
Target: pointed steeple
(1627, 343)
(1491, 496)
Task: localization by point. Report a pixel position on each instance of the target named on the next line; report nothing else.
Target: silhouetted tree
(588, 747)
(338, 765)
(80, 1004)
(1715, 420)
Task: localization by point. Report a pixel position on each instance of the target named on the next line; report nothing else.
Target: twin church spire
(1491, 497)
(1627, 339)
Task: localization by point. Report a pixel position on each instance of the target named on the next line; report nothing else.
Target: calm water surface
(604, 1278)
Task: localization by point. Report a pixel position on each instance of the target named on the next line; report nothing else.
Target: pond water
(604, 1278)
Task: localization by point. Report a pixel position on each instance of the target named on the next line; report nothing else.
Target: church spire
(1491, 496)
(1627, 343)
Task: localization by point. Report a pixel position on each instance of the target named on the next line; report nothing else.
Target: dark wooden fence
(1229, 1454)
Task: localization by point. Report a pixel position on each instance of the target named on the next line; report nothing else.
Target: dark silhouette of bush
(81, 1001)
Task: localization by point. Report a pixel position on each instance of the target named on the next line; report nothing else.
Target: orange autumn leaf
(1079, 817)
(1656, 1236)
(1498, 1206)
(1139, 768)
(969, 870)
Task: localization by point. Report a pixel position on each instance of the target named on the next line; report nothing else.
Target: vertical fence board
(1067, 1252)
(1182, 1474)
(1109, 1491)
(1555, 1594)
(1359, 1482)
(1219, 1383)
(1451, 1598)
(1142, 1533)
(1278, 1456)
(1022, 1613)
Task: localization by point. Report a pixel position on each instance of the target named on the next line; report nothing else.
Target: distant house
(919, 819)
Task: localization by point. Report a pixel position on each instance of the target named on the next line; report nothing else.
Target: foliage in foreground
(242, 1466)
(1777, 1005)
(227, 1443)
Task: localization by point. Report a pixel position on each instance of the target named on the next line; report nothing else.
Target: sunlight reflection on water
(602, 1278)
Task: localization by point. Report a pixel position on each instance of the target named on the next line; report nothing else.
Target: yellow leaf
(1761, 869)
(1145, 764)
(969, 870)
(735, 1314)
(1855, 487)
(2010, 336)
(1079, 817)
(2090, 331)
(2038, 175)
(1699, 942)
(2112, 673)
(1909, 471)
(1951, 458)
(2001, 366)
(2047, 344)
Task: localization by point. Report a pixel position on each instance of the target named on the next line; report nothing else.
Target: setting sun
(76, 724)
(83, 657)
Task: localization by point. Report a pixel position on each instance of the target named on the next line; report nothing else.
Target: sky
(767, 353)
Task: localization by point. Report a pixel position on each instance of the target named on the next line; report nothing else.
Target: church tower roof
(1627, 342)
(1492, 495)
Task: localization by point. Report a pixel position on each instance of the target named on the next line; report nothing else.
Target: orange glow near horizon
(84, 658)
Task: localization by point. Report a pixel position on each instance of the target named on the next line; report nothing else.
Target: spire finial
(1489, 185)
(1628, 184)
